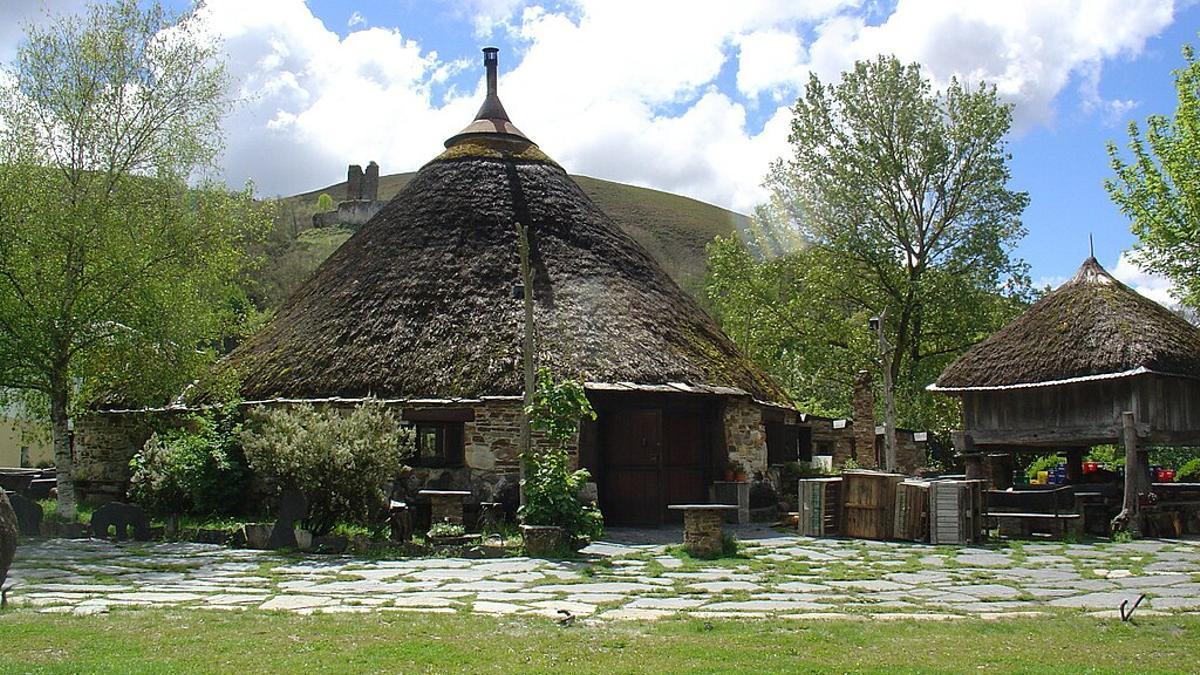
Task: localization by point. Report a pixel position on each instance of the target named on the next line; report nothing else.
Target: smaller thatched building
(1063, 375)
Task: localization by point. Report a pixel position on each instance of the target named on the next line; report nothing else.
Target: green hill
(673, 229)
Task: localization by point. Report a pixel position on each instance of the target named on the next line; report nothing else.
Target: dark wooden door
(631, 455)
(685, 459)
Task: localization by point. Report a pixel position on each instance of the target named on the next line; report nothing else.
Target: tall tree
(901, 191)
(1160, 188)
(116, 274)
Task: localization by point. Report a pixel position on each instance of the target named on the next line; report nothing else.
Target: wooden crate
(912, 511)
(820, 506)
(869, 504)
(955, 511)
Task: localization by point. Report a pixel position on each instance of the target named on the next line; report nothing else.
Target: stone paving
(775, 575)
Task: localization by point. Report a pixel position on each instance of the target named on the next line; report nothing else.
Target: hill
(672, 228)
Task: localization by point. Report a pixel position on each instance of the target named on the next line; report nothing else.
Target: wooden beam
(1128, 519)
(1054, 437)
(438, 414)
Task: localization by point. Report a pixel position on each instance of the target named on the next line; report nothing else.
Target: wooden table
(702, 527)
(446, 506)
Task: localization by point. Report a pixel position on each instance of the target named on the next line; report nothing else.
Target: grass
(160, 641)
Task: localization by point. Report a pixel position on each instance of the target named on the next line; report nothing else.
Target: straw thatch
(1091, 327)
(420, 302)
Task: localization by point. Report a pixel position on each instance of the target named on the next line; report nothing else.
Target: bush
(447, 529)
(196, 469)
(343, 462)
(1189, 472)
(551, 488)
(1043, 463)
(552, 496)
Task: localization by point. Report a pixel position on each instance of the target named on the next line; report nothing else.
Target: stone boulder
(8, 536)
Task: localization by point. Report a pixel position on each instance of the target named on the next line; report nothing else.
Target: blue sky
(688, 97)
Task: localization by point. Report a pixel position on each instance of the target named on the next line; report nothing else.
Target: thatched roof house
(1061, 375)
(419, 308)
(1092, 327)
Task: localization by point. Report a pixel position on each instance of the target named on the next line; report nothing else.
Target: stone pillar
(354, 182)
(370, 185)
(702, 532)
(864, 420)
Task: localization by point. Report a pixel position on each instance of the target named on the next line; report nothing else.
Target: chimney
(491, 62)
(864, 420)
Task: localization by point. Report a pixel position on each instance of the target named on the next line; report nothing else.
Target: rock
(257, 535)
(8, 536)
(29, 515)
(126, 519)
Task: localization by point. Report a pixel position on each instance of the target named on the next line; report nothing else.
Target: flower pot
(543, 541)
(740, 476)
(729, 474)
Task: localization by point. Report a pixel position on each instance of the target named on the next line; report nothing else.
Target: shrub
(342, 461)
(197, 469)
(551, 488)
(1189, 472)
(1043, 463)
(447, 529)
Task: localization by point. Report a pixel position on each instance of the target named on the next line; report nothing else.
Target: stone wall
(745, 434)
(104, 444)
(864, 414)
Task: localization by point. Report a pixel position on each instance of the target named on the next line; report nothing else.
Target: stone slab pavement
(629, 577)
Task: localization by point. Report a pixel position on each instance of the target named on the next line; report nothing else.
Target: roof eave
(1140, 370)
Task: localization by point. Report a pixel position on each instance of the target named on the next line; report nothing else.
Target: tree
(116, 275)
(1160, 188)
(900, 195)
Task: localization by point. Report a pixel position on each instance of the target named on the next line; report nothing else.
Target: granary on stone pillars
(421, 308)
(1092, 362)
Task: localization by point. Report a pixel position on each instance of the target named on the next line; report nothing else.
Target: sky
(692, 97)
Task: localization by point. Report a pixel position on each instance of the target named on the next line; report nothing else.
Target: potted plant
(446, 533)
(553, 518)
(739, 472)
(730, 471)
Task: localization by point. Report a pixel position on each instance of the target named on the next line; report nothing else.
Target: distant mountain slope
(673, 229)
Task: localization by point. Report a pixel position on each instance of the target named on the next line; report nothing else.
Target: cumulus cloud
(661, 94)
(1150, 285)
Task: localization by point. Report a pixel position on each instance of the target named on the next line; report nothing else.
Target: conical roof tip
(491, 122)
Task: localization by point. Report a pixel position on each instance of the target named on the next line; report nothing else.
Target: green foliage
(447, 529)
(551, 488)
(931, 252)
(196, 469)
(1122, 537)
(557, 407)
(1159, 188)
(552, 495)
(1189, 473)
(343, 461)
(119, 263)
(324, 202)
(1042, 463)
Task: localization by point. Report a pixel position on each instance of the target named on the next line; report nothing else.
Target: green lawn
(199, 640)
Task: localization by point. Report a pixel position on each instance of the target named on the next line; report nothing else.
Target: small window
(439, 444)
(783, 443)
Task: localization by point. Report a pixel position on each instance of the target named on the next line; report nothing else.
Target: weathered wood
(1052, 437)
(912, 511)
(870, 498)
(1128, 518)
(820, 505)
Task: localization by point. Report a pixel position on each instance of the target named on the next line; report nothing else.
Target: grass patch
(159, 641)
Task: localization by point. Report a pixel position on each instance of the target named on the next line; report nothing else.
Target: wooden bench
(1023, 512)
(702, 527)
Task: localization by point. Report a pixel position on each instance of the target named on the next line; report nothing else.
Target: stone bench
(446, 506)
(702, 527)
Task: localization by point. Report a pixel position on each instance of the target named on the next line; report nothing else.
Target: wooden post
(1075, 465)
(1128, 519)
(527, 352)
(972, 458)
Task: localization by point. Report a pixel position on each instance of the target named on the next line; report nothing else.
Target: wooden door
(631, 456)
(685, 459)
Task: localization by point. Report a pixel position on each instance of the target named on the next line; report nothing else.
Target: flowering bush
(342, 461)
(197, 468)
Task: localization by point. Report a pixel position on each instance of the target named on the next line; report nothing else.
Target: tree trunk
(1129, 518)
(61, 433)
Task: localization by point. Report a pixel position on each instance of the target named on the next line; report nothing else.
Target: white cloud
(1150, 285)
(643, 100)
(356, 19)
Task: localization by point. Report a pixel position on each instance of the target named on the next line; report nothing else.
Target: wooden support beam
(1128, 519)
(1075, 464)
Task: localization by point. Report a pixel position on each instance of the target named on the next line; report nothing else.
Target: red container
(1091, 467)
(1166, 475)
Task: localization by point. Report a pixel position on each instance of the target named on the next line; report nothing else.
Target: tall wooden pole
(1129, 519)
(889, 399)
(527, 351)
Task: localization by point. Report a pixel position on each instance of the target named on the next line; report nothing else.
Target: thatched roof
(420, 302)
(1091, 327)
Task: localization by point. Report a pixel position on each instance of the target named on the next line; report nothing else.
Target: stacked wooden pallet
(820, 506)
(955, 511)
(911, 521)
